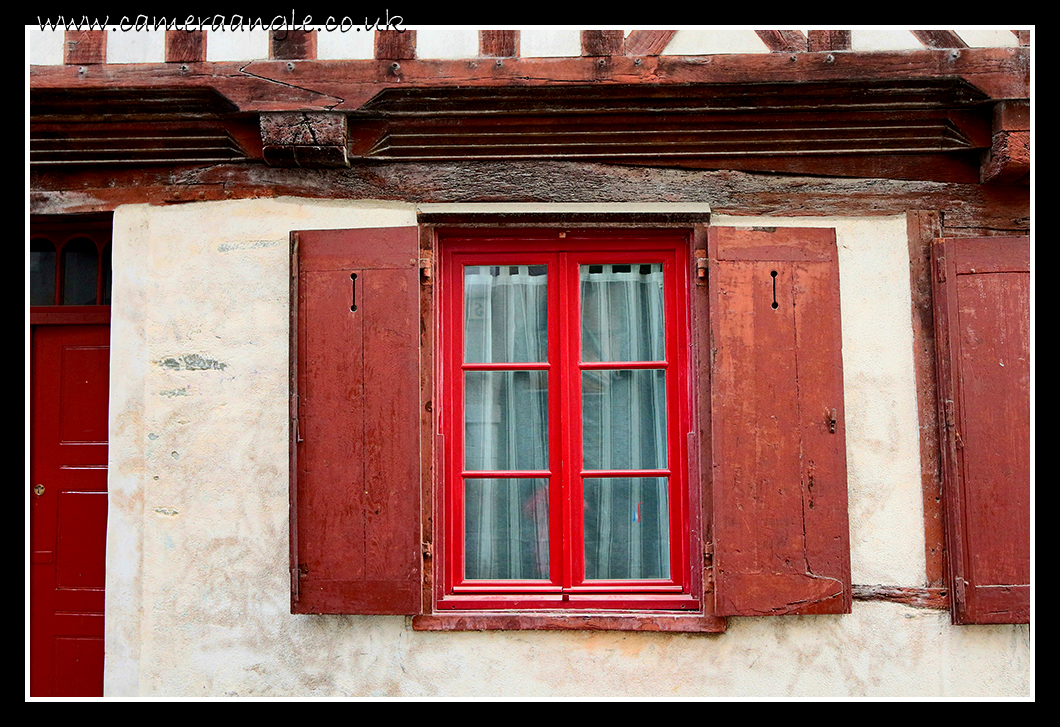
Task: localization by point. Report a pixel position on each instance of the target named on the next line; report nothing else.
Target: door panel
(70, 371)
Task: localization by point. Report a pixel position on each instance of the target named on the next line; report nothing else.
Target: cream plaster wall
(198, 588)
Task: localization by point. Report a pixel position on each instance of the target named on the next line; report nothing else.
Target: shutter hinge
(296, 574)
(959, 592)
(426, 549)
(831, 421)
(941, 262)
(701, 267)
(426, 266)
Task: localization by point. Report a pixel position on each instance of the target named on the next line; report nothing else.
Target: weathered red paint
(779, 487)
(982, 314)
(563, 250)
(355, 433)
(68, 493)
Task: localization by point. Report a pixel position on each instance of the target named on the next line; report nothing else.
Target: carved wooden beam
(309, 139)
(1009, 158)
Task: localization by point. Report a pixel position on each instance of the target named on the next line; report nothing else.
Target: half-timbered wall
(198, 561)
(198, 597)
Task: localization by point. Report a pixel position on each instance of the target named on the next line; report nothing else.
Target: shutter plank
(779, 471)
(982, 300)
(356, 487)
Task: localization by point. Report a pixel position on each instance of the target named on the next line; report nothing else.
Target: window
(567, 429)
(69, 261)
(565, 409)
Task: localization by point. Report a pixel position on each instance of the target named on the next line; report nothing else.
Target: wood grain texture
(648, 42)
(923, 227)
(793, 41)
(356, 438)
(85, 47)
(395, 44)
(1001, 73)
(966, 209)
(781, 541)
(498, 43)
(602, 42)
(185, 46)
(293, 45)
(982, 308)
(825, 40)
(939, 38)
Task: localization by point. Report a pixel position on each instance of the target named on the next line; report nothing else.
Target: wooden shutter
(982, 320)
(781, 542)
(355, 500)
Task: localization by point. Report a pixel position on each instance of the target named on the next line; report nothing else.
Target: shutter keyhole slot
(774, 275)
(353, 292)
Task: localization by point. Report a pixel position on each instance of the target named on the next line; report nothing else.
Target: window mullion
(568, 425)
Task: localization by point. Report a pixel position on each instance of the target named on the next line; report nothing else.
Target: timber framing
(965, 209)
(934, 115)
(345, 85)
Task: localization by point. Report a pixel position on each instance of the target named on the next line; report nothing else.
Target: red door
(68, 493)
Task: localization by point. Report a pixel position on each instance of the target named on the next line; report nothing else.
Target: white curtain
(623, 422)
(505, 422)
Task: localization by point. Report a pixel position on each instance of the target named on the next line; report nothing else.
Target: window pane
(506, 420)
(624, 419)
(622, 312)
(505, 319)
(627, 527)
(79, 272)
(41, 272)
(506, 528)
(106, 275)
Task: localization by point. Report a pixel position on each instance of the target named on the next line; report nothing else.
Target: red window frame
(563, 252)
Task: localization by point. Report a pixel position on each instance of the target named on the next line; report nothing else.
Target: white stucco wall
(198, 586)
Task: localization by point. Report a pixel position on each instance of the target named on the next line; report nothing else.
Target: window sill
(566, 621)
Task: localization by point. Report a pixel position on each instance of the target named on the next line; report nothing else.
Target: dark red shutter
(781, 542)
(355, 501)
(982, 319)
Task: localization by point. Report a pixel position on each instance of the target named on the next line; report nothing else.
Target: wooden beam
(602, 42)
(304, 139)
(293, 45)
(966, 209)
(784, 40)
(1009, 158)
(1002, 73)
(933, 598)
(648, 42)
(923, 227)
(939, 39)
(825, 40)
(85, 47)
(185, 46)
(395, 45)
(498, 43)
